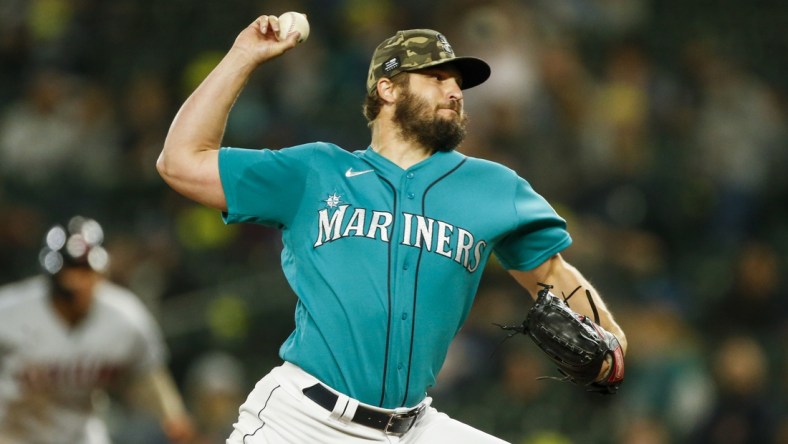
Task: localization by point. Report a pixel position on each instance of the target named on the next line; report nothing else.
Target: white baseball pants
(278, 412)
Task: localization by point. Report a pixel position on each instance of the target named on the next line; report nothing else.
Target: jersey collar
(436, 164)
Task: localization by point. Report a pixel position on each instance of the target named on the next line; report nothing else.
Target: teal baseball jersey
(385, 262)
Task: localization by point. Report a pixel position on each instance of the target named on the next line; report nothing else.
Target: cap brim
(474, 71)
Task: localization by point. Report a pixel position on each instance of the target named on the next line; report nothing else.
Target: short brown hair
(373, 103)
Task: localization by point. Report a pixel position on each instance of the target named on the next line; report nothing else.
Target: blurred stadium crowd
(658, 129)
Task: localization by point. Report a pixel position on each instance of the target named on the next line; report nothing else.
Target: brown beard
(417, 124)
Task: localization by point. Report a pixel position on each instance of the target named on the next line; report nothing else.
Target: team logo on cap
(444, 44)
(391, 64)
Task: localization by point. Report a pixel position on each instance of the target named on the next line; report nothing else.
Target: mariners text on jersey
(434, 236)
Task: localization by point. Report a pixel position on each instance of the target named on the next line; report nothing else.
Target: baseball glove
(577, 345)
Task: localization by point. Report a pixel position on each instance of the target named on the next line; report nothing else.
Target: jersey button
(405, 267)
(411, 196)
(404, 316)
(410, 175)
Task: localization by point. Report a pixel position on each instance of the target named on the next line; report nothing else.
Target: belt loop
(350, 411)
(340, 408)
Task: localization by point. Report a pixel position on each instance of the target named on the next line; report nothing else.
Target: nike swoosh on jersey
(351, 173)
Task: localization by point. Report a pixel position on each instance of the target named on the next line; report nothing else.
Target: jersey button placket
(410, 175)
(405, 293)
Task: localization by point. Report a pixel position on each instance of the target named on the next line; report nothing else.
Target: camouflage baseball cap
(414, 49)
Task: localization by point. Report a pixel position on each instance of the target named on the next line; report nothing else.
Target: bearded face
(425, 124)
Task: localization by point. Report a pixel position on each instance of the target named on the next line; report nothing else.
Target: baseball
(292, 22)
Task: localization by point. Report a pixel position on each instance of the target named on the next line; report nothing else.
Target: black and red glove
(575, 343)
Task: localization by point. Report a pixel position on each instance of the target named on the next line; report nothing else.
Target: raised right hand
(259, 40)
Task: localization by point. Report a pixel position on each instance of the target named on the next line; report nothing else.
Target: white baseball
(290, 22)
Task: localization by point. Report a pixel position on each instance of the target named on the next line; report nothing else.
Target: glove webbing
(546, 287)
(515, 329)
(588, 295)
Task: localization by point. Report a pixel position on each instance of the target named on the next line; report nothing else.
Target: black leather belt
(393, 424)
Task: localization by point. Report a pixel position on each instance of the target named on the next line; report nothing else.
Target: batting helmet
(76, 245)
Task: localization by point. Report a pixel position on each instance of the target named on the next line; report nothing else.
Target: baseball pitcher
(384, 246)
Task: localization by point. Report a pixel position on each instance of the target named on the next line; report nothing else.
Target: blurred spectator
(753, 299)
(215, 386)
(666, 376)
(738, 131)
(644, 430)
(745, 409)
(502, 112)
(61, 132)
(144, 107)
(618, 137)
(603, 18)
(38, 133)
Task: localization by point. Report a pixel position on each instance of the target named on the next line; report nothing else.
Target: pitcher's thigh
(438, 428)
(252, 425)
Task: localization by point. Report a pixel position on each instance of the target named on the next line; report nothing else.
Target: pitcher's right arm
(189, 161)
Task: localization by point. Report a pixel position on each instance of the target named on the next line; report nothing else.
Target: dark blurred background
(657, 128)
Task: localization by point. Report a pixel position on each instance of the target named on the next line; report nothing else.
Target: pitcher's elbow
(161, 166)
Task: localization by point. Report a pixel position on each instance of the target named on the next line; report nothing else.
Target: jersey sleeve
(151, 350)
(124, 319)
(538, 233)
(264, 186)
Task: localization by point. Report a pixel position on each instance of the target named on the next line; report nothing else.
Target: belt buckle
(412, 415)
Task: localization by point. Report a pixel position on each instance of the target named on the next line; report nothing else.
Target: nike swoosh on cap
(351, 173)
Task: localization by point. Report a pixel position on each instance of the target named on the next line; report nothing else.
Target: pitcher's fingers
(266, 22)
(273, 23)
